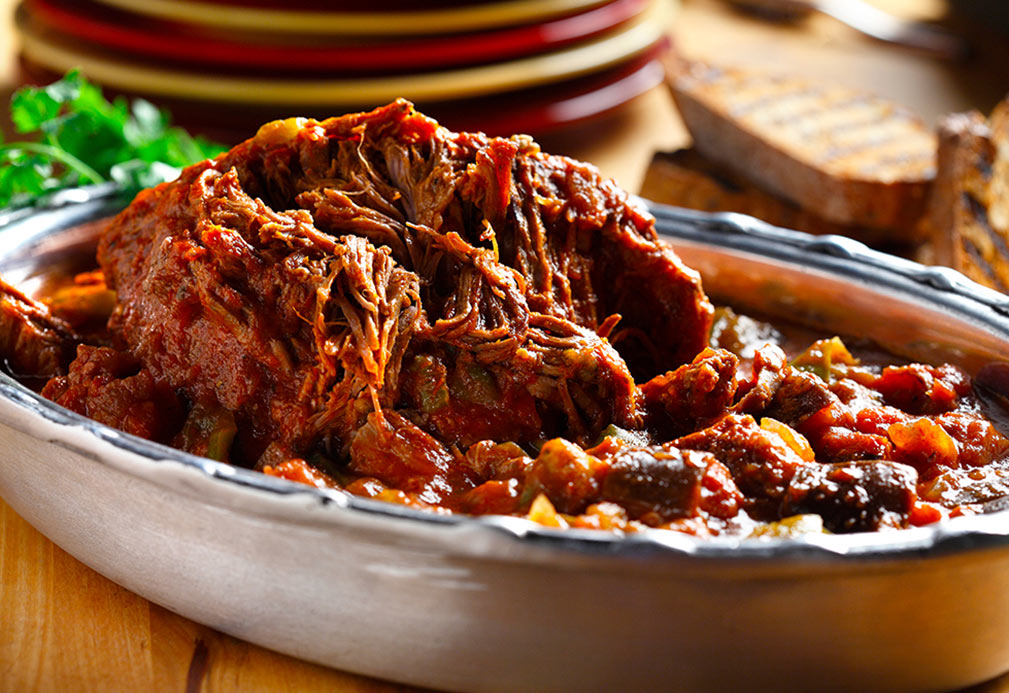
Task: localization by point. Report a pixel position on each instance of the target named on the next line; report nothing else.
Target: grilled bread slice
(846, 156)
(969, 211)
(685, 178)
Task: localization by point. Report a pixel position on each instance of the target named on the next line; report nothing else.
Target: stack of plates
(223, 66)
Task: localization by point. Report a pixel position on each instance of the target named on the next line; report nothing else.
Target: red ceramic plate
(548, 109)
(537, 110)
(185, 44)
(293, 88)
(373, 20)
(344, 5)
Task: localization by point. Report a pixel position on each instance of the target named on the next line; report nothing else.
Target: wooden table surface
(64, 627)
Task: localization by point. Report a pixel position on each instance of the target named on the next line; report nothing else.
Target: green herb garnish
(82, 138)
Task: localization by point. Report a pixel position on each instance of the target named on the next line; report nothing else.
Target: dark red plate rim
(537, 110)
(344, 5)
(186, 44)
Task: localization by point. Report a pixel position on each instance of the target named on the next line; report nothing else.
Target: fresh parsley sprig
(82, 138)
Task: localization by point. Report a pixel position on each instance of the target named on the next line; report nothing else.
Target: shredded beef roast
(291, 279)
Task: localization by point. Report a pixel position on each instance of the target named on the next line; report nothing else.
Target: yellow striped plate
(479, 15)
(582, 59)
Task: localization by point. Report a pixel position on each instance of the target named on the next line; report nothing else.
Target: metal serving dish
(501, 604)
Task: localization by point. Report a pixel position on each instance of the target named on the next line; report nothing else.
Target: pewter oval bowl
(501, 604)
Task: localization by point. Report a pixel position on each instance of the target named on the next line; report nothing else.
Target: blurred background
(584, 76)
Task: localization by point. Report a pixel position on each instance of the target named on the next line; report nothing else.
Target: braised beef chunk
(978, 442)
(33, 342)
(769, 369)
(854, 496)
(921, 389)
(667, 483)
(580, 383)
(566, 474)
(695, 394)
(114, 389)
(651, 484)
(663, 313)
(393, 450)
(490, 461)
(799, 396)
(761, 461)
(838, 443)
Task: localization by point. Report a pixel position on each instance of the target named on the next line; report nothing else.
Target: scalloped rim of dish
(465, 18)
(596, 54)
(734, 231)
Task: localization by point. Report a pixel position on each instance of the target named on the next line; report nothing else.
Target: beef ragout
(465, 324)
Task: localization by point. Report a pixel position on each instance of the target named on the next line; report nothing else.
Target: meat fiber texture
(291, 279)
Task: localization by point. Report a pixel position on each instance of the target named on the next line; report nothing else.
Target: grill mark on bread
(686, 179)
(984, 167)
(814, 117)
(961, 231)
(819, 113)
(884, 148)
(979, 213)
(978, 261)
(744, 109)
(796, 120)
(845, 155)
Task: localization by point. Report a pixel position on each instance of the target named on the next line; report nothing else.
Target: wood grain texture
(64, 628)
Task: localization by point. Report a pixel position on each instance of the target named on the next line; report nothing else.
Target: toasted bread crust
(685, 178)
(969, 211)
(847, 156)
